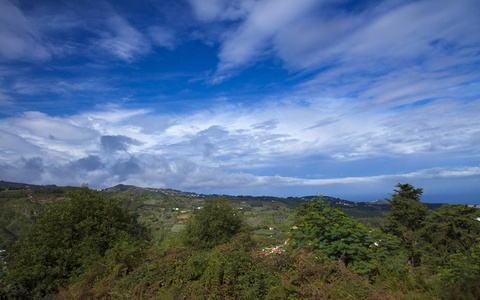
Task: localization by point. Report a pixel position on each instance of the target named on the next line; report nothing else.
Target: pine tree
(406, 219)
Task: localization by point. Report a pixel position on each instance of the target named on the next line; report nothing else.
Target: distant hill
(7, 184)
(253, 200)
(291, 201)
(120, 188)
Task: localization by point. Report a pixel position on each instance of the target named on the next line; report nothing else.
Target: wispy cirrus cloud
(221, 10)
(122, 40)
(40, 36)
(252, 39)
(375, 40)
(162, 36)
(433, 173)
(18, 37)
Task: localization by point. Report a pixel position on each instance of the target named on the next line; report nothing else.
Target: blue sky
(258, 97)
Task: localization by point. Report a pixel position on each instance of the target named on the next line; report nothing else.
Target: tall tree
(406, 218)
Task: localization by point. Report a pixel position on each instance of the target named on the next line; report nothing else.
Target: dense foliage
(461, 273)
(228, 271)
(17, 203)
(328, 229)
(56, 243)
(450, 229)
(9, 226)
(215, 224)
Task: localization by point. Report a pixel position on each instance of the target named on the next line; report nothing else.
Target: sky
(243, 97)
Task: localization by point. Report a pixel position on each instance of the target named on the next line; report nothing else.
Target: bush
(453, 228)
(54, 246)
(217, 223)
(462, 272)
(329, 230)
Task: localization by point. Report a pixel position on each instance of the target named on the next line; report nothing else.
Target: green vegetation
(451, 229)
(140, 243)
(328, 229)
(461, 273)
(19, 202)
(69, 231)
(215, 224)
(406, 219)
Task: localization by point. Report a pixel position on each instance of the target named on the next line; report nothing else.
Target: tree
(453, 228)
(461, 272)
(406, 217)
(84, 224)
(329, 230)
(216, 223)
(407, 212)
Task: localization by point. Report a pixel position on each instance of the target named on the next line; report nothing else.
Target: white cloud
(18, 37)
(114, 114)
(433, 173)
(232, 135)
(162, 37)
(238, 137)
(418, 51)
(12, 146)
(39, 125)
(357, 45)
(56, 138)
(213, 10)
(157, 171)
(254, 35)
(222, 149)
(38, 33)
(207, 10)
(123, 40)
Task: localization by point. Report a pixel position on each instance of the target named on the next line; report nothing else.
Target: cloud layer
(245, 96)
(230, 148)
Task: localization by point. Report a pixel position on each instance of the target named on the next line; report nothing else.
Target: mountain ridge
(173, 192)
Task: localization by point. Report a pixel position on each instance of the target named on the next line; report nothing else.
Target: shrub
(329, 230)
(217, 223)
(84, 224)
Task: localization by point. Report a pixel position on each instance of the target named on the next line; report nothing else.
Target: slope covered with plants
(88, 245)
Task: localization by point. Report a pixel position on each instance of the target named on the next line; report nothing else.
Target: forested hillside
(127, 242)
